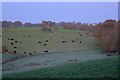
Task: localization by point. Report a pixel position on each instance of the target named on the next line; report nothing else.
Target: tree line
(18, 24)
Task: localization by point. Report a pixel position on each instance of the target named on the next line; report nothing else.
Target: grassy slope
(30, 44)
(98, 68)
(7, 56)
(90, 69)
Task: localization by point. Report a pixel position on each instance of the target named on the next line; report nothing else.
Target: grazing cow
(16, 41)
(64, 41)
(76, 60)
(34, 51)
(39, 42)
(46, 51)
(12, 43)
(12, 39)
(73, 60)
(79, 34)
(44, 44)
(73, 40)
(80, 42)
(15, 47)
(29, 35)
(14, 52)
(77, 38)
(24, 52)
(30, 53)
(46, 41)
(6, 50)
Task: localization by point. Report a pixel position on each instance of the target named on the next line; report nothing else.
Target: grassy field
(90, 60)
(49, 60)
(91, 69)
(28, 38)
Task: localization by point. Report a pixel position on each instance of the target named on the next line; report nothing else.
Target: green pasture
(90, 60)
(102, 68)
(30, 44)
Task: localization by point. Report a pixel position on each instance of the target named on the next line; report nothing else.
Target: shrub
(107, 35)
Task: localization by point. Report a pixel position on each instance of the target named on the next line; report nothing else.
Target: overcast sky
(35, 12)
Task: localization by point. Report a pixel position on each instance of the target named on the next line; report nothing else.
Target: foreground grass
(91, 69)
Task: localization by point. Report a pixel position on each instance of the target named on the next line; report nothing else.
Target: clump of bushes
(107, 36)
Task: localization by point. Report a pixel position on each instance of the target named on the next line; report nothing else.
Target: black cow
(12, 43)
(14, 51)
(29, 35)
(30, 53)
(46, 51)
(46, 41)
(12, 39)
(80, 42)
(16, 41)
(6, 50)
(73, 40)
(24, 52)
(80, 35)
(64, 41)
(39, 42)
(15, 47)
(44, 44)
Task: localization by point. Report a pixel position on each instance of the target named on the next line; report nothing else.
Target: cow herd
(13, 42)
